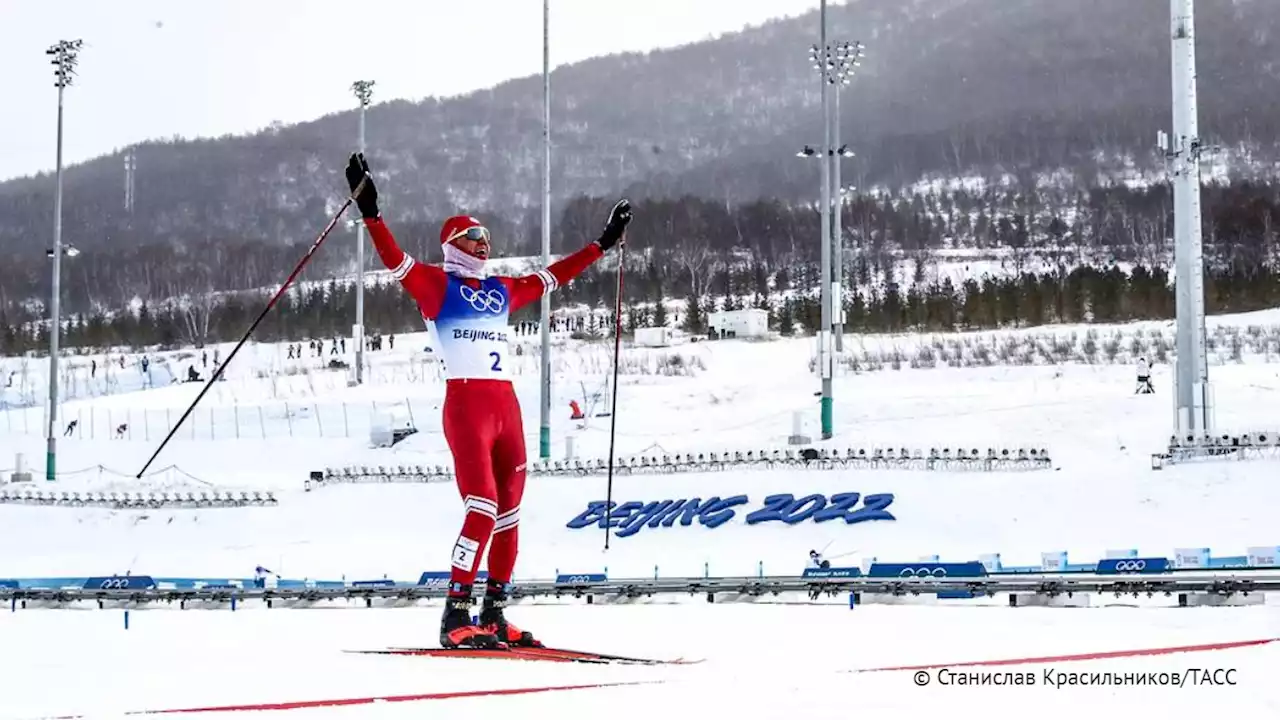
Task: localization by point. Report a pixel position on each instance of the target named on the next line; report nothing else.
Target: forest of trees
(1083, 294)
(689, 241)
(1059, 267)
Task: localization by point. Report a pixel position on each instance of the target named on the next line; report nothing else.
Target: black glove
(616, 228)
(367, 200)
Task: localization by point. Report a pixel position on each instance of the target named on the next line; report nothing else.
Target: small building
(748, 323)
(653, 337)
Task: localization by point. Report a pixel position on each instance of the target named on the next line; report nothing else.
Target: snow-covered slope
(733, 395)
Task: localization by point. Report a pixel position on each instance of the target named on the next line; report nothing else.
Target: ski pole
(217, 372)
(613, 416)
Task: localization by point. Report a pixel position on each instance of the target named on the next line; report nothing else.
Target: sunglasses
(474, 233)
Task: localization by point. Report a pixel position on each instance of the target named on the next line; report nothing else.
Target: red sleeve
(426, 283)
(529, 288)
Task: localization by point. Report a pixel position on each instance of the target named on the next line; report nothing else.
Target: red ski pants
(485, 432)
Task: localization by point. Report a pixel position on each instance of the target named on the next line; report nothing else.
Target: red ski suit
(482, 422)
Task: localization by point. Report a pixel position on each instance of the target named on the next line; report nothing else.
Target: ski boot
(494, 621)
(458, 631)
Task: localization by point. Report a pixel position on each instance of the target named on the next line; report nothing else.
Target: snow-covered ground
(1101, 494)
(759, 661)
(738, 395)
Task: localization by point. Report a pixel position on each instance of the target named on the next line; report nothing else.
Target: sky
(199, 68)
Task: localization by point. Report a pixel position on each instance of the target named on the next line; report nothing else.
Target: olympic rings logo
(483, 301)
(923, 572)
(1131, 565)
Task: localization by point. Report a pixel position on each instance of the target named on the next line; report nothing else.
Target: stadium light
(835, 66)
(64, 58)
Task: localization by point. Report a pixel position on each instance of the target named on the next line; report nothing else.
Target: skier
(261, 575)
(482, 422)
(1144, 378)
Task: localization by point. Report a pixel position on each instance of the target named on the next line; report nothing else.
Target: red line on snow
(302, 704)
(1079, 656)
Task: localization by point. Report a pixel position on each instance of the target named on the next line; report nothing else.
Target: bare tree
(197, 307)
(693, 256)
(193, 291)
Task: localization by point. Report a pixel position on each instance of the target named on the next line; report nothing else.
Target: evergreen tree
(694, 322)
(660, 311)
(786, 321)
(633, 318)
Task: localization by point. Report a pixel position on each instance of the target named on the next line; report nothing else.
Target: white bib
(471, 329)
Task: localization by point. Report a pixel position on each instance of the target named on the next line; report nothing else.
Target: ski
(595, 657)
(528, 653)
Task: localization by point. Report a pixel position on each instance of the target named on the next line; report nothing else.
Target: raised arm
(530, 288)
(426, 283)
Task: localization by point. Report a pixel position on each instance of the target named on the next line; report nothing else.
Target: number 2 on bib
(497, 360)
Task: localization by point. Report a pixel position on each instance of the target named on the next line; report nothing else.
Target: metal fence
(224, 417)
(293, 419)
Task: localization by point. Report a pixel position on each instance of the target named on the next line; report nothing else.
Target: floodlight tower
(65, 57)
(363, 90)
(1193, 395)
(834, 66)
(843, 60)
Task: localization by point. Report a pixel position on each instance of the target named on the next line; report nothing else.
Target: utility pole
(544, 321)
(363, 90)
(64, 59)
(1193, 393)
(826, 360)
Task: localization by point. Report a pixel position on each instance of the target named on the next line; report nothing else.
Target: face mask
(457, 262)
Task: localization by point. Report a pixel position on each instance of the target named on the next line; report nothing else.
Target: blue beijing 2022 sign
(632, 517)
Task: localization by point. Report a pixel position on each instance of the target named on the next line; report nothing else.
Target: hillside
(1033, 91)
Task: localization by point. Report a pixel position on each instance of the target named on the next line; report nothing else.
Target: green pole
(826, 418)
